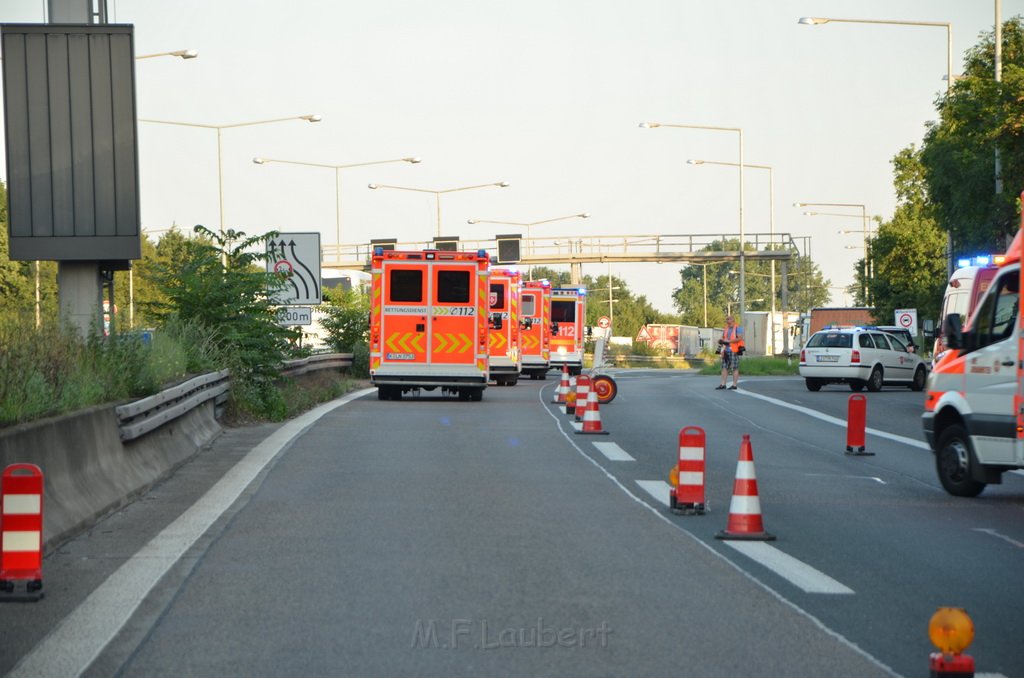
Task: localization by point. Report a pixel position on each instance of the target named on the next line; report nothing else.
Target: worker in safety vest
(731, 347)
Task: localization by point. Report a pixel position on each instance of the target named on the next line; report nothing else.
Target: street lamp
(771, 228)
(437, 194)
(180, 53)
(337, 179)
(528, 224)
(220, 171)
(864, 220)
(739, 131)
(817, 21)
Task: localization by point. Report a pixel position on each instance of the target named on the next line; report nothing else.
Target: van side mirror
(495, 321)
(952, 330)
(554, 329)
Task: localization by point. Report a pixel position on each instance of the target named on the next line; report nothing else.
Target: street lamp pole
(527, 225)
(219, 128)
(739, 131)
(864, 220)
(771, 230)
(815, 21)
(337, 179)
(437, 194)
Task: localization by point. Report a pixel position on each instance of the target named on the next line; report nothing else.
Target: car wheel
(953, 463)
(919, 378)
(874, 382)
(813, 384)
(857, 385)
(382, 393)
(477, 395)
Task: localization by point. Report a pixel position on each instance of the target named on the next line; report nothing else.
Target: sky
(547, 96)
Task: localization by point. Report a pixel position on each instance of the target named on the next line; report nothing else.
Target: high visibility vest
(733, 335)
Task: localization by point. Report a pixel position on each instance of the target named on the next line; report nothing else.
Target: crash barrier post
(592, 416)
(856, 422)
(571, 400)
(21, 529)
(687, 494)
(745, 508)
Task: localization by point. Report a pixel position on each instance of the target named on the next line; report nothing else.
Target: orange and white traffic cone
(582, 391)
(745, 508)
(563, 387)
(592, 416)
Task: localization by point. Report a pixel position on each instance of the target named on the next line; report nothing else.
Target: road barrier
(21, 522)
(582, 395)
(98, 459)
(856, 423)
(687, 494)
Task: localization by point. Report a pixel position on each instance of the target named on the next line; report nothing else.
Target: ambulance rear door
(453, 318)
(404, 314)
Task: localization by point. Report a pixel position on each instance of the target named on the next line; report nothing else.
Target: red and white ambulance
(974, 412)
(503, 343)
(536, 331)
(568, 318)
(428, 322)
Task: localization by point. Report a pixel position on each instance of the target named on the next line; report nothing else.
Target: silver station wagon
(860, 357)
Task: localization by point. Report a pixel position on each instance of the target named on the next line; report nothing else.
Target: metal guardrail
(138, 418)
(321, 361)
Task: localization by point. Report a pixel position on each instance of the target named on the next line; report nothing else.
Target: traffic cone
(563, 387)
(745, 508)
(582, 391)
(592, 416)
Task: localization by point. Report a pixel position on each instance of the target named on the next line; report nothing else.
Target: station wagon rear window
(405, 284)
(453, 287)
(831, 340)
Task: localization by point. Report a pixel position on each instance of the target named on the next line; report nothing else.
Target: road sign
(907, 319)
(604, 322)
(288, 316)
(297, 255)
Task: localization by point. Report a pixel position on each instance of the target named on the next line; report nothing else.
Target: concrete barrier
(89, 472)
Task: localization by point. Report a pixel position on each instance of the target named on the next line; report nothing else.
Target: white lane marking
(995, 534)
(838, 422)
(576, 425)
(658, 489)
(797, 572)
(613, 452)
(75, 643)
(831, 475)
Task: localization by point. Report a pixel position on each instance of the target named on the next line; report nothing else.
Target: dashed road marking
(658, 489)
(797, 572)
(613, 452)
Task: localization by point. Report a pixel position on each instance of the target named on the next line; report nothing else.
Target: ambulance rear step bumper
(420, 380)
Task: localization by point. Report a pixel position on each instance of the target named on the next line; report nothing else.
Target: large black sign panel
(72, 152)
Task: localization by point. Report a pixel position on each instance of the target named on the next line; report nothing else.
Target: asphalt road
(434, 537)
